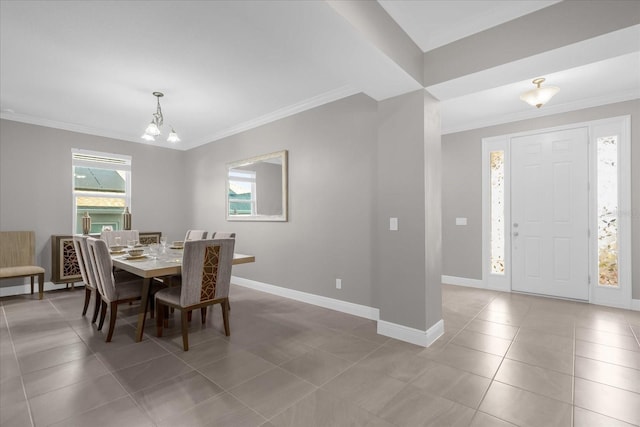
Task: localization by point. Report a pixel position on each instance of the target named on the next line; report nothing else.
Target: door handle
(515, 234)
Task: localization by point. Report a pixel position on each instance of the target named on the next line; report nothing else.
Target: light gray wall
(400, 255)
(352, 164)
(433, 208)
(332, 171)
(462, 191)
(36, 180)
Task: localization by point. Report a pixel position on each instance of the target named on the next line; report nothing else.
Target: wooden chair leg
(185, 330)
(152, 304)
(189, 315)
(96, 309)
(225, 316)
(203, 314)
(112, 320)
(159, 318)
(40, 285)
(32, 279)
(87, 297)
(103, 314)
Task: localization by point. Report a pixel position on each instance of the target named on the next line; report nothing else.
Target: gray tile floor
(505, 359)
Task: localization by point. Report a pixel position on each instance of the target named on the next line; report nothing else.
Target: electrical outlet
(338, 283)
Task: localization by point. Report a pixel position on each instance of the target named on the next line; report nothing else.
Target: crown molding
(72, 127)
(316, 101)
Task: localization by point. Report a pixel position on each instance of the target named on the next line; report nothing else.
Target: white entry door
(549, 213)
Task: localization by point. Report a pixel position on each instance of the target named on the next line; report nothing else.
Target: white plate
(176, 247)
(117, 252)
(129, 257)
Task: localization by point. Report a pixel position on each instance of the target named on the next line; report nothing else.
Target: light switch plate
(393, 224)
(461, 221)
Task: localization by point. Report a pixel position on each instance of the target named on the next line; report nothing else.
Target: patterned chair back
(206, 270)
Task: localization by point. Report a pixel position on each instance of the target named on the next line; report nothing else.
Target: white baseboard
(635, 304)
(388, 329)
(330, 303)
(412, 335)
(6, 291)
(463, 281)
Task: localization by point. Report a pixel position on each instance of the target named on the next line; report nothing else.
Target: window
(242, 192)
(607, 195)
(497, 212)
(101, 187)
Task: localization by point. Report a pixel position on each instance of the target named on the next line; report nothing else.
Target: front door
(549, 213)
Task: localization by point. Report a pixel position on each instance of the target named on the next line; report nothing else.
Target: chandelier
(153, 129)
(540, 95)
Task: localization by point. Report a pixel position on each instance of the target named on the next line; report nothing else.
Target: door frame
(621, 126)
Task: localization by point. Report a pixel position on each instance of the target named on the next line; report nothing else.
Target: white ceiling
(228, 66)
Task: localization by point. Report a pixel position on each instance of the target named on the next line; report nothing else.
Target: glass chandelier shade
(153, 129)
(173, 136)
(540, 95)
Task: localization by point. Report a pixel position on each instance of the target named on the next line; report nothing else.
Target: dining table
(167, 262)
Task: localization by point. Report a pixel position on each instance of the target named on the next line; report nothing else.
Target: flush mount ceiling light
(540, 95)
(153, 129)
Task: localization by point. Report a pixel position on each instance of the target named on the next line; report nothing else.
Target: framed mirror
(257, 188)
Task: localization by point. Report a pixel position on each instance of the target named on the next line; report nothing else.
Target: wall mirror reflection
(257, 188)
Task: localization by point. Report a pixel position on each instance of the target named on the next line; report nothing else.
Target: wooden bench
(18, 257)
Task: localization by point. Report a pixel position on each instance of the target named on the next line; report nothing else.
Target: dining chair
(112, 294)
(125, 236)
(222, 235)
(206, 276)
(86, 271)
(195, 235)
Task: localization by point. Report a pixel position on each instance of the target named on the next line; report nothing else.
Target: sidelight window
(607, 216)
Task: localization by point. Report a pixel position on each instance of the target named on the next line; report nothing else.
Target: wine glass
(163, 242)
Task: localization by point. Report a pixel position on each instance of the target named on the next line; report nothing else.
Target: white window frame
(97, 159)
(602, 295)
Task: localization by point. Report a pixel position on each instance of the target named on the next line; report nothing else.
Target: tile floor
(505, 359)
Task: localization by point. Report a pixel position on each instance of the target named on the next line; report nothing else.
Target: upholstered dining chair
(88, 277)
(111, 294)
(125, 236)
(222, 235)
(206, 276)
(195, 235)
